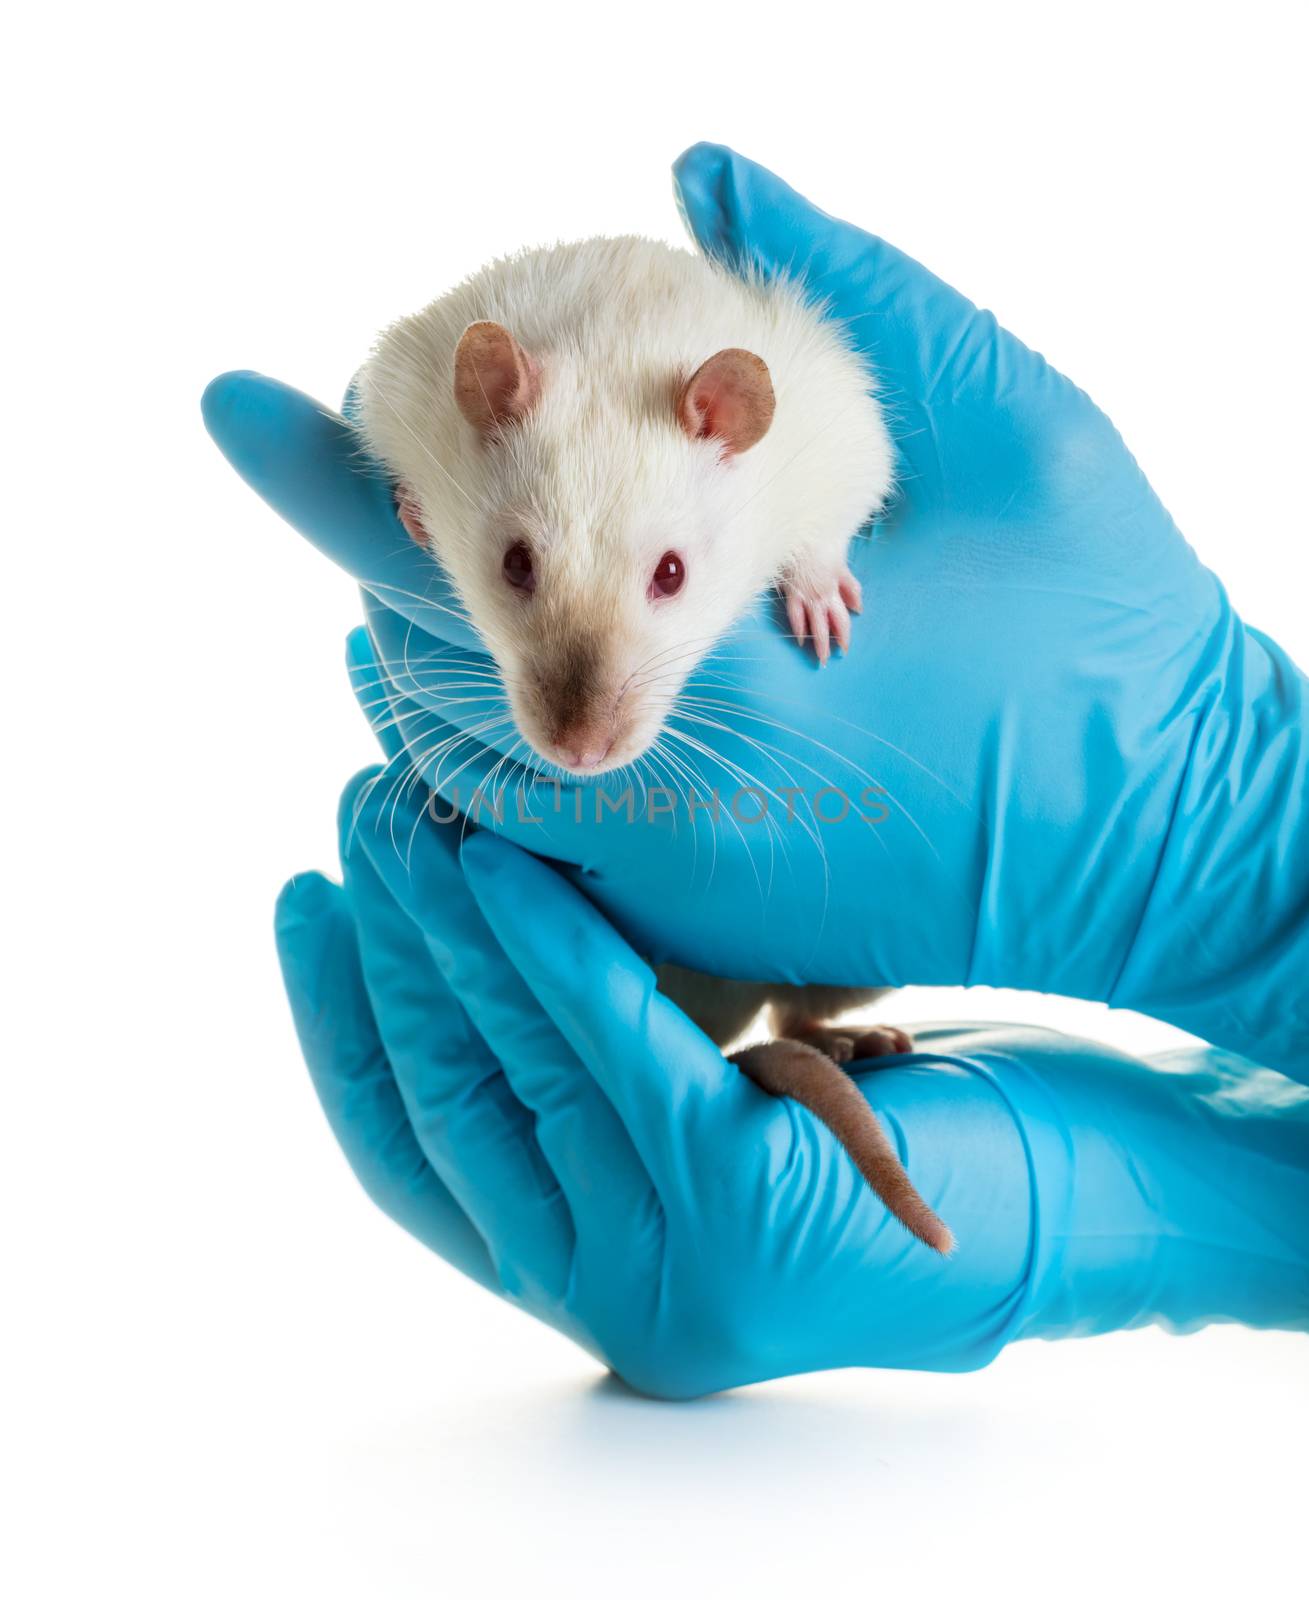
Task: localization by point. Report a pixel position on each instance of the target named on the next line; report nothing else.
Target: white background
(228, 1374)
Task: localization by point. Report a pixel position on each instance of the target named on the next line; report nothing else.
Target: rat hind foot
(852, 1043)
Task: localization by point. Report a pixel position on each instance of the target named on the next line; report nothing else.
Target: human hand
(508, 1085)
(1094, 776)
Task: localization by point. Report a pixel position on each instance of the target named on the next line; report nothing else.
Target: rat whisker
(434, 684)
(885, 791)
(770, 755)
(694, 789)
(400, 761)
(425, 601)
(418, 763)
(486, 693)
(749, 780)
(668, 783)
(737, 774)
(480, 733)
(687, 649)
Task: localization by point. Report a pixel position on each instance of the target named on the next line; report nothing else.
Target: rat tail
(785, 1067)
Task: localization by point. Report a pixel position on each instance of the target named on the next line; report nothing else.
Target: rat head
(598, 562)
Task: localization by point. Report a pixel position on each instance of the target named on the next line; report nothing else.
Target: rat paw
(819, 607)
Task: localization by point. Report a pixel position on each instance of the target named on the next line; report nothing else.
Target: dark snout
(577, 707)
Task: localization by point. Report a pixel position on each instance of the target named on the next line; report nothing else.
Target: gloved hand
(508, 1085)
(1095, 775)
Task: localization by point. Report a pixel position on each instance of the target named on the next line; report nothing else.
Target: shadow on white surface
(857, 1477)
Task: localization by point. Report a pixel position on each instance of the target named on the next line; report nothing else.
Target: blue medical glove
(1055, 757)
(509, 1086)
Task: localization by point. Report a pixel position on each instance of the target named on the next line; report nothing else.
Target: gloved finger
(672, 1088)
(926, 339)
(581, 1135)
(478, 1136)
(347, 1063)
(307, 463)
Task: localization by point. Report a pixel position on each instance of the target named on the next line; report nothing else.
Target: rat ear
(411, 517)
(730, 398)
(496, 381)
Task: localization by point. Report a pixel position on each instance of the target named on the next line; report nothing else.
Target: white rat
(613, 448)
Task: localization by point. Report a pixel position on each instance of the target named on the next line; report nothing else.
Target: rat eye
(669, 576)
(517, 567)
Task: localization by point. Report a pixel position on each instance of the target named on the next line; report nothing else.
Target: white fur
(600, 479)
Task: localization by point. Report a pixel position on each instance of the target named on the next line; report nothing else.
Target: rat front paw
(818, 607)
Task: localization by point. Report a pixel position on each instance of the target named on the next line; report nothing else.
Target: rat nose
(582, 749)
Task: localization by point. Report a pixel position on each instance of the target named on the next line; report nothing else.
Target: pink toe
(795, 615)
(822, 639)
